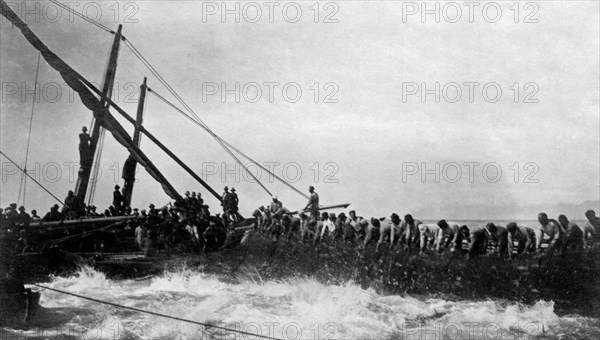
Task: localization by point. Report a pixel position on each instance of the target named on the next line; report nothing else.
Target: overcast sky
(370, 131)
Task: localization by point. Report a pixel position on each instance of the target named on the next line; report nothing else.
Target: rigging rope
(217, 138)
(228, 144)
(23, 177)
(207, 325)
(91, 21)
(33, 179)
(139, 55)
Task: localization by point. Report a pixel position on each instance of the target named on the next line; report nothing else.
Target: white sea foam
(298, 308)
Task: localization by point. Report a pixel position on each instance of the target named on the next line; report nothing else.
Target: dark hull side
(18, 305)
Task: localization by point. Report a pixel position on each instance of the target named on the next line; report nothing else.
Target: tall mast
(109, 78)
(130, 164)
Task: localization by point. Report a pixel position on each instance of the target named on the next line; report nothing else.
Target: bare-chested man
(552, 229)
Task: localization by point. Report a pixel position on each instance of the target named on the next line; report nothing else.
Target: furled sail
(101, 113)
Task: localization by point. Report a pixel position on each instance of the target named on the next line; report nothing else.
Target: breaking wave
(297, 308)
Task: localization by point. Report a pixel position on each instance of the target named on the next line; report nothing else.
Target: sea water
(297, 308)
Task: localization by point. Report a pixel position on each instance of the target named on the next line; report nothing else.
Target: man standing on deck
(34, 216)
(551, 228)
(233, 210)
(84, 148)
(313, 203)
(11, 213)
(524, 236)
(72, 205)
(23, 218)
(225, 201)
(140, 235)
(591, 230)
(53, 214)
(118, 200)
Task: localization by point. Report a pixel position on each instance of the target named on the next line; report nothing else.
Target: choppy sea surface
(297, 308)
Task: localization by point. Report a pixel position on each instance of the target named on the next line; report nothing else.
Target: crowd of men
(560, 235)
(189, 224)
(186, 224)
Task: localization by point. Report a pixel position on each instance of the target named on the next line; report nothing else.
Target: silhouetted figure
(128, 175)
(118, 199)
(53, 214)
(84, 147)
(72, 205)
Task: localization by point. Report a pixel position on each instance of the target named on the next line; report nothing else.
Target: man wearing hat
(118, 199)
(225, 200)
(84, 147)
(233, 202)
(53, 214)
(313, 203)
(11, 212)
(23, 217)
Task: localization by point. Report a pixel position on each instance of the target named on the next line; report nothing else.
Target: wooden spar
(166, 150)
(109, 78)
(41, 225)
(86, 91)
(328, 207)
(140, 113)
(130, 164)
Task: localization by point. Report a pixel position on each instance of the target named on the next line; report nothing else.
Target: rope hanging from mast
(197, 119)
(91, 21)
(224, 144)
(23, 185)
(229, 145)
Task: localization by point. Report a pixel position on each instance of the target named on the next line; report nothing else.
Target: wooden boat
(57, 247)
